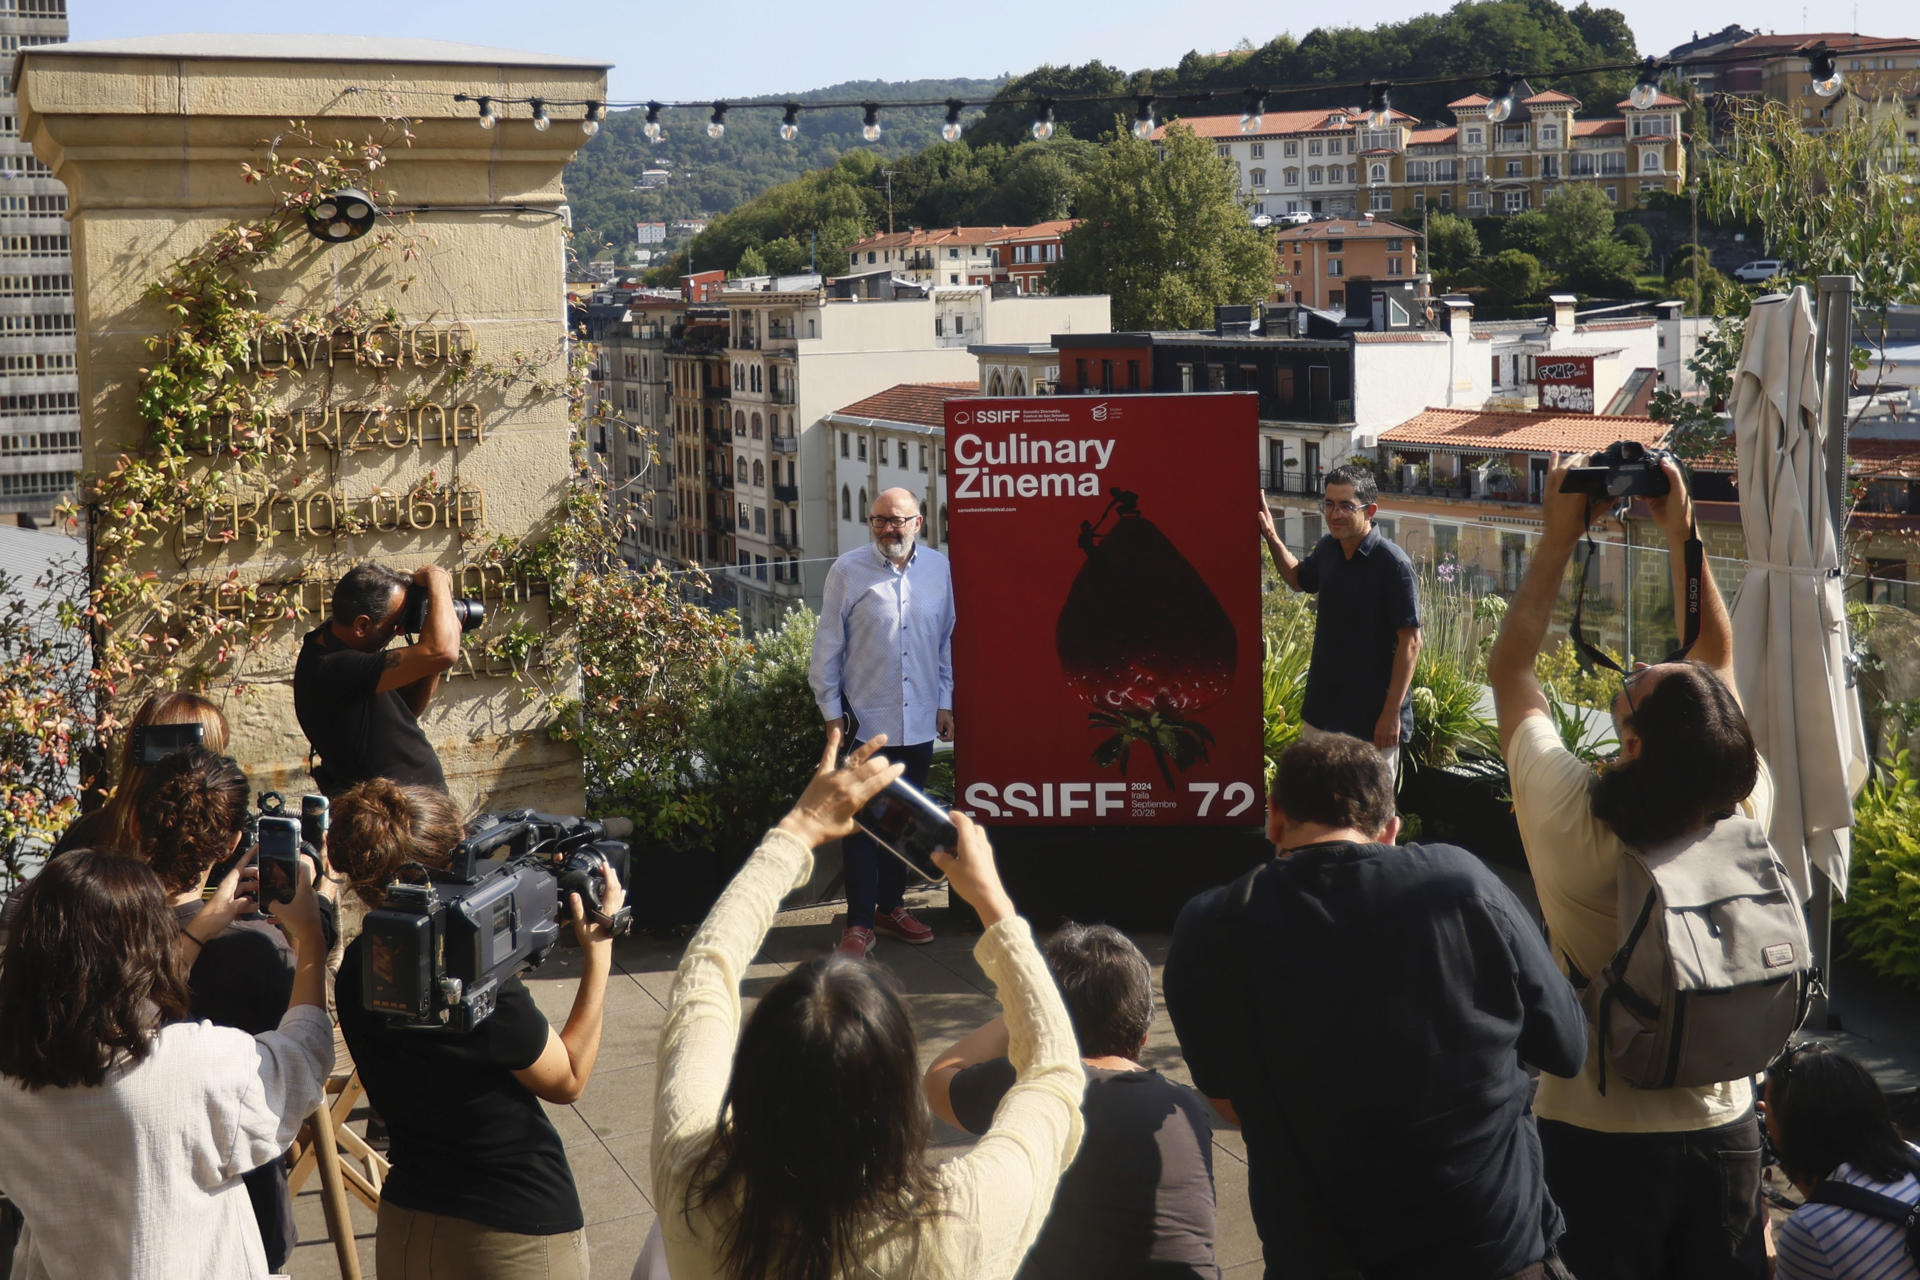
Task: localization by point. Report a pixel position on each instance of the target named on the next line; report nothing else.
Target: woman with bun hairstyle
(107, 827)
(125, 1127)
(480, 1186)
(185, 819)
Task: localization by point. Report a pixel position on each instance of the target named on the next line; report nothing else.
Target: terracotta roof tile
(1551, 95)
(1499, 431)
(916, 403)
(1869, 456)
(1422, 137)
(1039, 231)
(1403, 335)
(1276, 123)
(1471, 100)
(1346, 229)
(1598, 128)
(1659, 100)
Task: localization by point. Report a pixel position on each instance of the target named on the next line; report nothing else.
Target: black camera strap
(1694, 555)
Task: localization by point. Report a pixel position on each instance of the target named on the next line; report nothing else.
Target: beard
(894, 544)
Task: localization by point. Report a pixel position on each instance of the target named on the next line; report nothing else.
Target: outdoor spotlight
(1824, 69)
(340, 216)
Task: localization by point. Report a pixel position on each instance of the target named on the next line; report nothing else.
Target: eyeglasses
(1344, 508)
(891, 522)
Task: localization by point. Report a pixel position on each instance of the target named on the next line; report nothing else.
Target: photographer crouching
(480, 1185)
(358, 702)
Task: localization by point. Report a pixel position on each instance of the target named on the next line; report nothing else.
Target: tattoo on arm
(392, 659)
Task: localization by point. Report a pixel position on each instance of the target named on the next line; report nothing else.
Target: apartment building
(893, 440)
(1318, 259)
(938, 256)
(632, 426)
(1333, 162)
(697, 387)
(1024, 258)
(39, 385)
(794, 358)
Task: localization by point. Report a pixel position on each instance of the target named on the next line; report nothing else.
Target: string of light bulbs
(1822, 68)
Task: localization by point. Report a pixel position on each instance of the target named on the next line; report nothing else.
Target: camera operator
(360, 703)
(480, 1185)
(1653, 1182)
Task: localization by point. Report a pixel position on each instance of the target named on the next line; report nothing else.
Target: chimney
(1563, 304)
(1458, 318)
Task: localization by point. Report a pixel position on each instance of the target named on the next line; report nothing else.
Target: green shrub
(1880, 917)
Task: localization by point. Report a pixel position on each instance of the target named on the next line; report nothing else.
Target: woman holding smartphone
(803, 1154)
(125, 1127)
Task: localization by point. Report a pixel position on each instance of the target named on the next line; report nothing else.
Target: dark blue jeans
(1658, 1206)
(875, 878)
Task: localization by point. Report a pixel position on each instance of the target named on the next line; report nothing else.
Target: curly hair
(91, 971)
(188, 810)
(161, 708)
(379, 826)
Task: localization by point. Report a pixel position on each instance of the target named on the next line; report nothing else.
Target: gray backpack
(1714, 971)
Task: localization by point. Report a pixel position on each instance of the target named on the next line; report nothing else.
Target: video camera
(413, 611)
(1624, 469)
(439, 947)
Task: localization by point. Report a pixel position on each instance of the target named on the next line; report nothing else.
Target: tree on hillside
(1513, 276)
(1164, 235)
(1580, 248)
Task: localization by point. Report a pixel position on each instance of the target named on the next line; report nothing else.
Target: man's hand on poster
(1386, 730)
(943, 724)
(1267, 531)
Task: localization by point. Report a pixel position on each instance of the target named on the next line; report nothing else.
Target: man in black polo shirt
(358, 702)
(1366, 1011)
(1367, 630)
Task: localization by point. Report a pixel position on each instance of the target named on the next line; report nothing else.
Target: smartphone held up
(909, 826)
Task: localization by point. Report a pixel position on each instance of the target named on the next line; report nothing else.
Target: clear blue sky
(693, 51)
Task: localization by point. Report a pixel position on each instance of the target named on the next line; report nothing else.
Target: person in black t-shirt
(480, 1186)
(1367, 1012)
(358, 702)
(1137, 1203)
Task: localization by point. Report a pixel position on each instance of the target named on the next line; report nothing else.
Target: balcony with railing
(786, 540)
(784, 444)
(1292, 482)
(1321, 412)
(781, 395)
(786, 493)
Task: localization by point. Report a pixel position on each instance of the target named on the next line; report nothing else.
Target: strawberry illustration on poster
(1106, 575)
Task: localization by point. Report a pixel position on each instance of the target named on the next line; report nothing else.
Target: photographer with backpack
(1653, 1149)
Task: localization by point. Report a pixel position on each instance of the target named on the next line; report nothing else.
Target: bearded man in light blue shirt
(883, 657)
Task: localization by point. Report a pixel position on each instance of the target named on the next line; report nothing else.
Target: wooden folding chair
(322, 1139)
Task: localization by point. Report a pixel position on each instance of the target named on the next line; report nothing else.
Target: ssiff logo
(961, 417)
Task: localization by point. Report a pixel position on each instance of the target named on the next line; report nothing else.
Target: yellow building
(1332, 162)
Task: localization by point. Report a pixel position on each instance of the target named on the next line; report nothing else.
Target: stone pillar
(150, 137)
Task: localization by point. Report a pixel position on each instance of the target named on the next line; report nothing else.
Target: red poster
(1565, 382)
(1106, 574)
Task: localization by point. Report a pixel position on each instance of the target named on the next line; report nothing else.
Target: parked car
(1759, 270)
(1295, 219)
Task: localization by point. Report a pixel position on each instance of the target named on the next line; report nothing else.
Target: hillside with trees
(713, 175)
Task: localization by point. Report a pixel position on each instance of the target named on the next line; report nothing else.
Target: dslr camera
(413, 610)
(441, 945)
(1624, 469)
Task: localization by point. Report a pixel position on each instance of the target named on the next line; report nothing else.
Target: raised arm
(703, 1011)
(415, 669)
(1284, 560)
(1673, 512)
(1516, 689)
(559, 1075)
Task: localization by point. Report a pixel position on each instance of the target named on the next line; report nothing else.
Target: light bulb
(1043, 121)
(540, 120)
(717, 122)
(870, 122)
(1647, 88)
(1255, 113)
(590, 124)
(1143, 117)
(1502, 105)
(790, 123)
(1379, 113)
(590, 127)
(951, 129)
(652, 126)
(486, 113)
(1824, 69)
